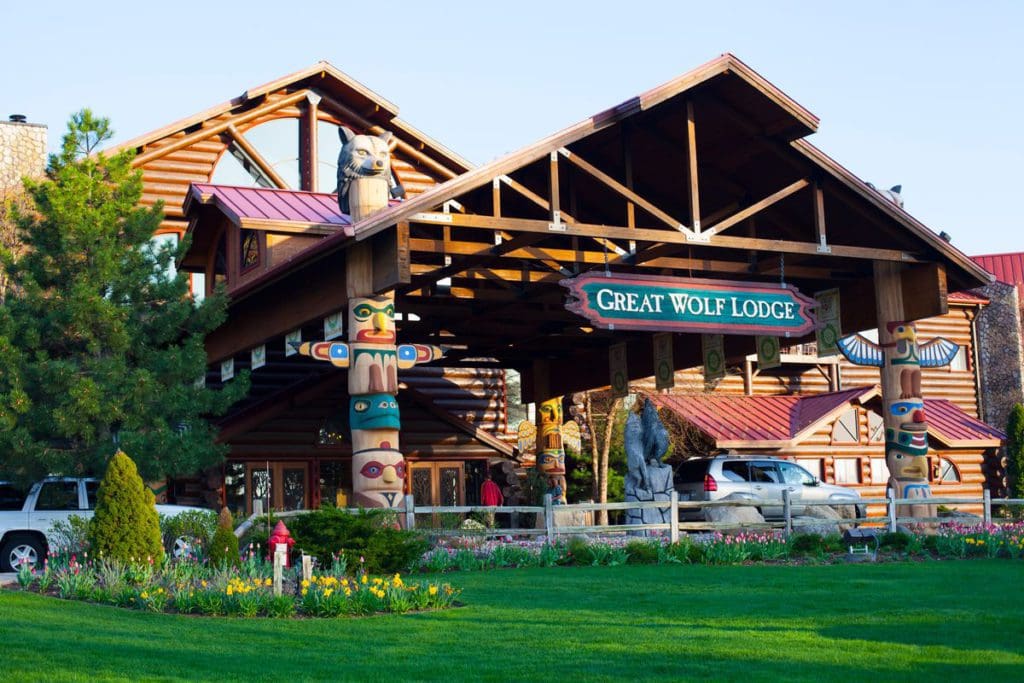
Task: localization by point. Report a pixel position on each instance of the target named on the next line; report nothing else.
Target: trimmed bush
(370, 535)
(125, 526)
(224, 546)
(643, 552)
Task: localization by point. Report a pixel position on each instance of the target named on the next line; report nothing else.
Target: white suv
(758, 478)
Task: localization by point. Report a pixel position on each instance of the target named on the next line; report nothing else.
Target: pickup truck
(26, 520)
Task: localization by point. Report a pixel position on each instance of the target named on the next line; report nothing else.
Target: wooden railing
(552, 528)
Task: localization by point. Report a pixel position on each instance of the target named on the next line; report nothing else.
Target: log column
(906, 430)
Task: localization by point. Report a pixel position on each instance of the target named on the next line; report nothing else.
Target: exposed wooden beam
(291, 227)
(308, 144)
(218, 128)
(819, 217)
(556, 213)
(756, 207)
(627, 193)
(256, 158)
(693, 189)
(359, 120)
(653, 235)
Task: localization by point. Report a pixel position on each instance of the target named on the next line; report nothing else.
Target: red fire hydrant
(280, 535)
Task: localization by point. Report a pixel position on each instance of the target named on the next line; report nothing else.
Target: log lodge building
(709, 176)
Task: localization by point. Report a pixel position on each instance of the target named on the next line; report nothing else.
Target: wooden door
(280, 485)
(438, 483)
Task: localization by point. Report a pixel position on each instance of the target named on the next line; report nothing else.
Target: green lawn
(932, 620)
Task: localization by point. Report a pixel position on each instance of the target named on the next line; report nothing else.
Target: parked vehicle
(26, 520)
(760, 479)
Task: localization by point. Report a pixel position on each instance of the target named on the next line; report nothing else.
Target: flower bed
(950, 542)
(189, 586)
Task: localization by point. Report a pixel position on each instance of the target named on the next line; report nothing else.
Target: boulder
(826, 514)
(739, 516)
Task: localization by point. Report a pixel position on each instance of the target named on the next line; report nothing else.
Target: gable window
(959, 361)
(876, 428)
(948, 473)
(846, 429)
(250, 249)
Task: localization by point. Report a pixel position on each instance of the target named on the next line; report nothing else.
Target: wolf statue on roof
(365, 156)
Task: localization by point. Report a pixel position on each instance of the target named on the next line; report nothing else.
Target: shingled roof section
(784, 421)
(240, 204)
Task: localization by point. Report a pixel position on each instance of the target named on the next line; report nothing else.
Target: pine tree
(125, 526)
(98, 338)
(1015, 451)
(224, 546)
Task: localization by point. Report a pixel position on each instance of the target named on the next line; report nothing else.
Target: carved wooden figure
(901, 358)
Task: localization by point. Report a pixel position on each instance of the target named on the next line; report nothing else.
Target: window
(846, 429)
(335, 482)
(764, 473)
(234, 487)
(167, 240)
(11, 499)
(58, 495)
(250, 249)
(91, 487)
(876, 428)
(793, 474)
(847, 470)
(734, 470)
(948, 474)
(959, 361)
(813, 466)
(879, 471)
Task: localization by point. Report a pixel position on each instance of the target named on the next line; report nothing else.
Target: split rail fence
(553, 516)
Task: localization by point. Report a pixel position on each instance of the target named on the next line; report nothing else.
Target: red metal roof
(261, 203)
(1008, 268)
(775, 419)
(953, 427)
(778, 421)
(967, 298)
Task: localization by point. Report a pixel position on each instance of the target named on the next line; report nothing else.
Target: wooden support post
(549, 518)
(308, 144)
(496, 200)
(987, 499)
(280, 552)
(556, 209)
(819, 219)
(787, 511)
(673, 520)
(410, 512)
(691, 156)
(890, 506)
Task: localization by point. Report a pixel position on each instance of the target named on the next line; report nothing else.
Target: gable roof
(250, 206)
(332, 81)
(785, 421)
(1008, 268)
(767, 421)
(767, 104)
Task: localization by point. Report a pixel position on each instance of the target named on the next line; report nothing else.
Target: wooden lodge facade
(707, 176)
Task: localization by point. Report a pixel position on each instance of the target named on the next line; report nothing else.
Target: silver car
(757, 478)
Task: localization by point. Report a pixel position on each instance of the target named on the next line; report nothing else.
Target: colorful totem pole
(906, 431)
(371, 355)
(550, 451)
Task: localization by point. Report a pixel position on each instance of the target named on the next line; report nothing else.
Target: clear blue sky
(923, 94)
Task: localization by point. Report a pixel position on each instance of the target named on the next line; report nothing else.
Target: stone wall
(22, 152)
(1000, 357)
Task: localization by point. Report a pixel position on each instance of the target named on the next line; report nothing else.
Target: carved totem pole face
(378, 477)
(372, 320)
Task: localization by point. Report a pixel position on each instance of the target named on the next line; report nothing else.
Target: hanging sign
(617, 371)
(672, 304)
(258, 357)
(768, 352)
(664, 366)
(332, 326)
(713, 349)
(830, 329)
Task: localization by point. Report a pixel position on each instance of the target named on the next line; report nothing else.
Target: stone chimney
(22, 151)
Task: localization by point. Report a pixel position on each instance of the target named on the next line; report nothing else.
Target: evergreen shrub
(369, 534)
(224, 546)
(125, 526)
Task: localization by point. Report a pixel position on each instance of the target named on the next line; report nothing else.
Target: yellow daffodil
(304, 591)
(433, 590)
(363, 579)
(327, 593)
(144, 595)
(305, 583)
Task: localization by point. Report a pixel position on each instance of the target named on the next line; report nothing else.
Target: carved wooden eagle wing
(527, 437)
(571, 438)
(860, 350)
(937, 352)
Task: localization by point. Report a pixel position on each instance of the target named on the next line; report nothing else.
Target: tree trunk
(606, 447)
(594, 469)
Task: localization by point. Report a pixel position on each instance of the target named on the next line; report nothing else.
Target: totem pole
(901, 358)
(371, 355)
(550, 453)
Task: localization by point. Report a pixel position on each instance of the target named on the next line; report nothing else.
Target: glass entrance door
(277, 485)
(439, 483)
